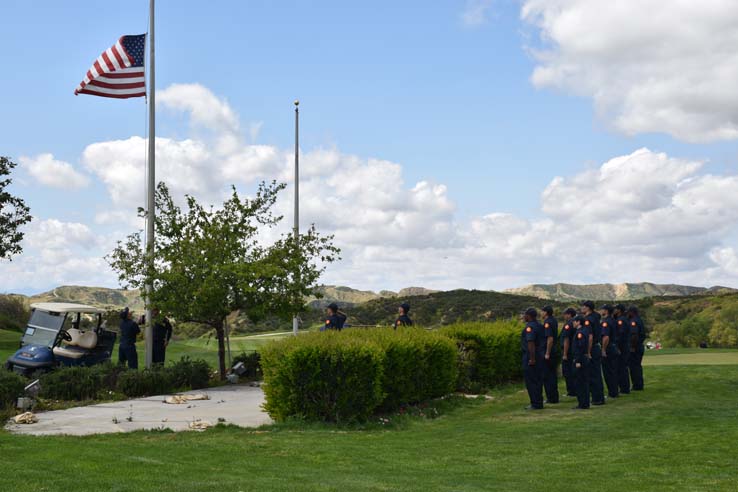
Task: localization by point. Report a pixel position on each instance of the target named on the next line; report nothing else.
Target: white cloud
(54, 173)
(637, 217)
(649, 66)
(476, 12)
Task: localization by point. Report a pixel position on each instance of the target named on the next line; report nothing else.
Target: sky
(449, 144)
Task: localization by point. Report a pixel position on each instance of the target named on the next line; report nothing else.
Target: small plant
(11, 387)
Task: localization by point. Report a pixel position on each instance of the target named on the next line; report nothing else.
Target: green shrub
(71, 383)
(488, 353)
(251, 362)
(322, 376)
(190, 374)
(11, 387)
(146, 382)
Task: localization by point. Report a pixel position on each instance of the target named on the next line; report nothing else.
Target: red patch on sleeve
(529, 329)
(633, 323)
(604, 325)
(620, 322)
(579, 335)
(327, 322)
(586, 323)
(546, 325)
(566, 327)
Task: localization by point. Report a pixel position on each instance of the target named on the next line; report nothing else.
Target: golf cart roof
(66, 307)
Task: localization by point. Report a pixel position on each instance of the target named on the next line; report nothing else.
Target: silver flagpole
(295, 319)
(151, 185)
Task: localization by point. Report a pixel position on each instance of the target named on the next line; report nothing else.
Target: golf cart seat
(81, 342)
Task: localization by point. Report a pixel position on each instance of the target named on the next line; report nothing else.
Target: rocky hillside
(620, 292)
(94, 296)
(346, 296)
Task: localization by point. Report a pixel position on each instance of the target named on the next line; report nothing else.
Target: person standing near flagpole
(119, 73)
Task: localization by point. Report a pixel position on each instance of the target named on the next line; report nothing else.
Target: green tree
(210, 262)
(14, 213)
(724, 330)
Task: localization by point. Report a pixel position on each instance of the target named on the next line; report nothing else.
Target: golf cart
(62, 334)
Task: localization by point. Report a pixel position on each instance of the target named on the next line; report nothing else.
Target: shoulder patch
(620, 322)
(604, 323)
(632, 323)
(528, 329)
(586, 322)
(546, 325)
(327, 322)
(579, 335)
(398, 322)
(566, 327)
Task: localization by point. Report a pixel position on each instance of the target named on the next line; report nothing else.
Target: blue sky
(450, 100)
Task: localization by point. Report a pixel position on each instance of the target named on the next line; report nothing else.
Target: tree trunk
(220, 332)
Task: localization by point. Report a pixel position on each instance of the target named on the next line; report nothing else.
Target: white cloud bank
(642, 216)
(649, 65)
(54, 173)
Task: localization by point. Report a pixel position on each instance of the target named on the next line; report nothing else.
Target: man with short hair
(637, 337)
(403, 319)
(567, 364)
(162, 335)
(592, 321)
(623, 334)
(551, 357)
(334, 319)
(609, 350)
(532, 344)
(581, 346)
(129, 330)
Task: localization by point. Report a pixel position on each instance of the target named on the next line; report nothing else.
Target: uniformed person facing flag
(334, 318)
(532, 345)
(403, 319)
(551, 356)
(582, 358)
(622, 324)
(567, 364)
(637, 337)
(610, 351)
(592, 321)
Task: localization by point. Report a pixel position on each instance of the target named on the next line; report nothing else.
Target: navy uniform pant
(551, 379)
(581, 382)
(159, 352)
(128, 355)
(567, 369)
(636, 369)
(534, 382)
(623, 373)
(610, 372)
(595, 376)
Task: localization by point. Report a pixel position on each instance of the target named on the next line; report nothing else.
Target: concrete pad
(237, 404)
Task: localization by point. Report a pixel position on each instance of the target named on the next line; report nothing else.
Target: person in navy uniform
(532, 345)
(610, 353)
(623, 334)
(403, 319)
(129, 330)
(637, 337)
(162, 335)
(581, 358)
(334, 318)
(551, 356)
(592, 321)
(567, 368)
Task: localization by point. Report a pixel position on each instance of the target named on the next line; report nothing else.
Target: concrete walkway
(239, 405)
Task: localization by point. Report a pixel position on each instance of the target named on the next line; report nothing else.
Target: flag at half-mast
(119, 71)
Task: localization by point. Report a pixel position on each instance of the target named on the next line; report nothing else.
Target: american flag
(118, 72)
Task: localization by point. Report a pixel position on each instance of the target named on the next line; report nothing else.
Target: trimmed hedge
(11, 387)
(488, 353)
(347, 376)
(89, 383)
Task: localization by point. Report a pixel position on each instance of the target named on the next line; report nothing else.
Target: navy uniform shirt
(580, 343)
(162, 331)
(533, 332)
(567, 331)
(128, 331)
(403, 320)
(608, 330)
(623, 333)
(551, 329)
(638, 330)
(593, 323)
(334, 322)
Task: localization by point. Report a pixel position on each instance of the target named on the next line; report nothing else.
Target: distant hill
(94, 296)
(346, 296)
(620, 292)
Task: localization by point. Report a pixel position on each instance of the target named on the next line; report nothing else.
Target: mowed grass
(678, 435)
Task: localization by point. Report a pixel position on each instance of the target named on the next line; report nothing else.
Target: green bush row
(100, 381)
(349, 375)
(488, 353)
(11, 387)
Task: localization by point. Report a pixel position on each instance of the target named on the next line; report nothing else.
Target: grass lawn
(678, 435)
